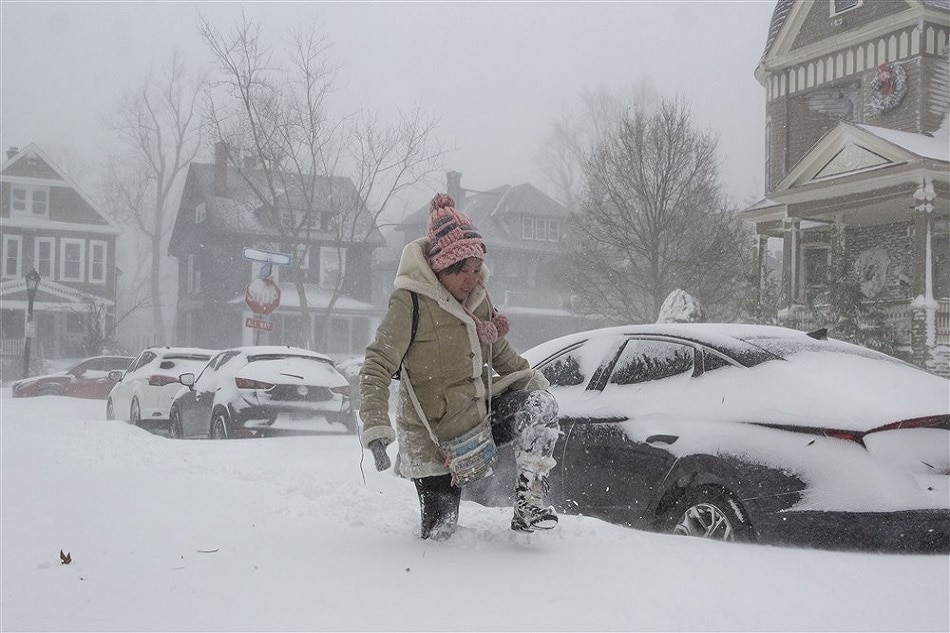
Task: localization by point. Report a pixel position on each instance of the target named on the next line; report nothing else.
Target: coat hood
(415, 274)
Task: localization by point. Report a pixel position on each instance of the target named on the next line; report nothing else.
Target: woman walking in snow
(442, 334)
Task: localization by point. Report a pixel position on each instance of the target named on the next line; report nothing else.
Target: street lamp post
(32, 283)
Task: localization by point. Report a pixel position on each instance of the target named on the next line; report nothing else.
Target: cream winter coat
(446, 365)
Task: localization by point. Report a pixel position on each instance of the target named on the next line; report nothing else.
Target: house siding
(820, 25)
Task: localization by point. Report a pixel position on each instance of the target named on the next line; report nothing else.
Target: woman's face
(461, 284)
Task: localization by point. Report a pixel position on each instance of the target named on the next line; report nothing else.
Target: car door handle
(662, 439)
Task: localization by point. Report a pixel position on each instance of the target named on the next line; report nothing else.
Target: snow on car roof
(184, 352)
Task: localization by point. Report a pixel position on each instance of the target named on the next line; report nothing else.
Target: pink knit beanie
(452, 236)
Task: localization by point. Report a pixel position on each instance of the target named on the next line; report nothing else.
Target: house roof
(317, 298)
(242, 213)
(935, 146)
(783, 9)
(488, 209)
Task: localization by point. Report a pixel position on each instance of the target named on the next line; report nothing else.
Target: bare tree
(158, 126)
(322, 180)
(652, 218)
(563, 152)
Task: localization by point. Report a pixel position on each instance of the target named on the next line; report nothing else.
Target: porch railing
(897, 314)
(11, 346)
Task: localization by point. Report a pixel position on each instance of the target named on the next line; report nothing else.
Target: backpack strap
(412, 332)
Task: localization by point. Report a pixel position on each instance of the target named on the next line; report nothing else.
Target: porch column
(761, 245)
(789, 272)
(838, 250)
(923, 307)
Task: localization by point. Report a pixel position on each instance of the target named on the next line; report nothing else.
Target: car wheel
(110, 410)
(220, 426)
(710, 512)
(50, 390)
(174, 425)
(135, 414)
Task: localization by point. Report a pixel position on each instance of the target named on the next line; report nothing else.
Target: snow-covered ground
(285, 534)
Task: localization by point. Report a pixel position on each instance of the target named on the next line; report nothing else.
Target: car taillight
(851, 436)
(159, 380)
(247, 383)
(927, 422)
(343, 391)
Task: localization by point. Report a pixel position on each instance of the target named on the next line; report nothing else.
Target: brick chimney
(220, 185)
(13, 151)
(453, 186)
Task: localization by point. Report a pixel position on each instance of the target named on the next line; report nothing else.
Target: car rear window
(257, 357)
(785, 347)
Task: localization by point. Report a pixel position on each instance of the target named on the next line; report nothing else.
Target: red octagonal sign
(262, 295)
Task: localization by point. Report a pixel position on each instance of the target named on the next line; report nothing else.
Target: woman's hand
(378, 447)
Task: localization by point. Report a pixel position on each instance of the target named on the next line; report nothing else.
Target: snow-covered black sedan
(262, 390)
(745, 432)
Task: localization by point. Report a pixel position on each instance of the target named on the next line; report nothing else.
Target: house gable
(847, 150)
(69, 207)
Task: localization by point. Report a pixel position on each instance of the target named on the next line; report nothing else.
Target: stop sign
(262, 295)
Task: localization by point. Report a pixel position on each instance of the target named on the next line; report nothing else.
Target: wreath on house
(888, 87)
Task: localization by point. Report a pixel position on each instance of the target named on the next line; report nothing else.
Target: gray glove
(378, 447)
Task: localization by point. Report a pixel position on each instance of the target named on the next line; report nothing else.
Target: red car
(87, 379)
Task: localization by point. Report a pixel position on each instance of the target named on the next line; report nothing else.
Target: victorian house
(49, 225)
(525, 232)
(223, 235)
(857, 166)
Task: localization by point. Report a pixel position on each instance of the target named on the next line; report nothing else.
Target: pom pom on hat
(452, 236)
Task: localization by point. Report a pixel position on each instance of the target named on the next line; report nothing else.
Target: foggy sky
(495, 73)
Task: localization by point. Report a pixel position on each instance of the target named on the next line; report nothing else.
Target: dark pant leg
(528, 418)
(439, 505)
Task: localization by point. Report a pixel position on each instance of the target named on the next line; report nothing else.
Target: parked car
(87, 379)
(142, 395)
(253, 391)
(744, 432)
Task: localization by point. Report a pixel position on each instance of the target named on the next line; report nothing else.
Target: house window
(200, 213)
(97, 262)
(540, 229)
(768, 155)
(332, 266)
(12, 255)
(43, 256)
(28, 201)
(72, 255)
(814, 267)
(340, 336)
(840, 6)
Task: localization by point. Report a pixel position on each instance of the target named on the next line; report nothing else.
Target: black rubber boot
(439, 505)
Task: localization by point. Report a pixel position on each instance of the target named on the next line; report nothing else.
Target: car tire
(174, 425)
(220, 425)
(135, 413)
(712, 512)
(110, 410)
(50, 390)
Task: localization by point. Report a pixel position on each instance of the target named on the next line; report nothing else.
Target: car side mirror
(115, 375)
(187, 379)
